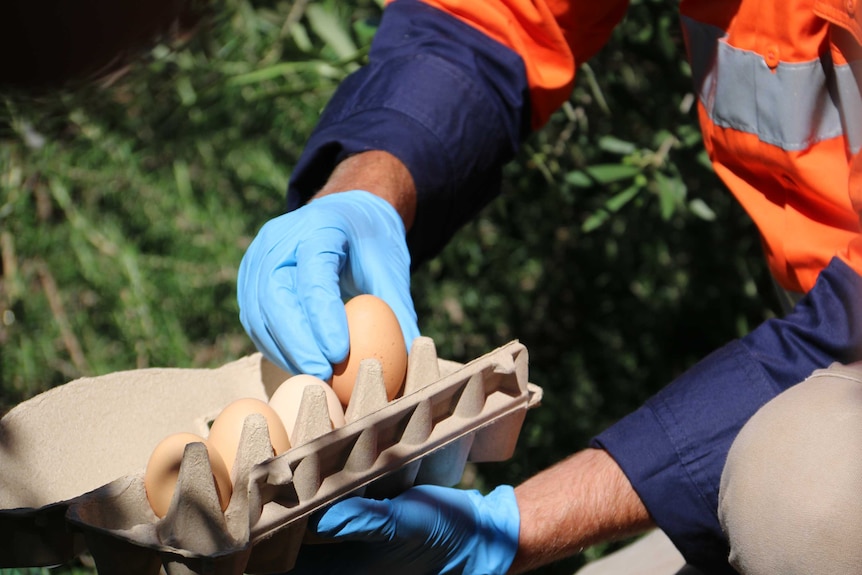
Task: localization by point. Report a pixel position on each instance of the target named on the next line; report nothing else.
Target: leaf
(608, 173)
(700, 208)
(283, 69)
(703, 160)
(333, 32)
(183, 179)
(689, 136)
(616, 146)
(365, 31)
(671, 193)
(594, 221)
(579, 179)
(300, 37)
(186, 91)
(615, 203)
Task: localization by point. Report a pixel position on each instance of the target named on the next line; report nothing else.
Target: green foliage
(614, 254)
(125, 211)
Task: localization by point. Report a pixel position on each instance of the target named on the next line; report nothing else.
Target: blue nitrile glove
(295, 272)
(425, 530)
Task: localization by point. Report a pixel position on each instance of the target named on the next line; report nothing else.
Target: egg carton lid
(48, 483)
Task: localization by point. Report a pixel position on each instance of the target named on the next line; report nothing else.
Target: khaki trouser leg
(791, 492)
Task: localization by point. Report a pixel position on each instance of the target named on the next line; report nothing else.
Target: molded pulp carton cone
(72, 459)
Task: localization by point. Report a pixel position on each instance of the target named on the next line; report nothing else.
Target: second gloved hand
(426, 530)
(295, 272)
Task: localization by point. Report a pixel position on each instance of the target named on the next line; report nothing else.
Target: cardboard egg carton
(73, 459)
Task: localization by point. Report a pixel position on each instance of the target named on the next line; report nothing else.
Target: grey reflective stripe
(793, 106)
(850, 102)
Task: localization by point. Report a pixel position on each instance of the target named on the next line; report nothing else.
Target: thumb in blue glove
(300, 266)
(425, 530)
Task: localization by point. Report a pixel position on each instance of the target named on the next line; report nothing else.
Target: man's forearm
(580, 501)
(380, 173)
(600, 503)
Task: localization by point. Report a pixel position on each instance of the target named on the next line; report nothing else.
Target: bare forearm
(380, 173)
(580, 501)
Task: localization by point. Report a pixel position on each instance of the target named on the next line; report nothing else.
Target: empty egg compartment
(449, 414)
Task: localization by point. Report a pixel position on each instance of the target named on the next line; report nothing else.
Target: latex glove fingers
(386, 276)
(275, 305)
(295, 272)
(427, 529)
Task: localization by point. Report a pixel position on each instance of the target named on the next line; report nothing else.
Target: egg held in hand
(374, 333)
(163, 469)
(226, 430)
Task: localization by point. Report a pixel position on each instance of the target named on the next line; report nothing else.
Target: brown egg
(163, 469)
(287, 398)
(374, 333)
(227, 428)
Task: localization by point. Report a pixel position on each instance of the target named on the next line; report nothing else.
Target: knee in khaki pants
(790, 500)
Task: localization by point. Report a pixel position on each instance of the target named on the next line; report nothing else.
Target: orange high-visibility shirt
(778, 99)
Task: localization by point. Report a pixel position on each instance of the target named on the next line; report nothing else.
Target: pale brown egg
(163, 468)
(227, 428)
(287, 398)
(374, 333)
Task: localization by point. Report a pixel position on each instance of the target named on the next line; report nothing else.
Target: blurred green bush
(614, 253)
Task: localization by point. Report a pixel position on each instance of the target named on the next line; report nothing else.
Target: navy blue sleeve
(673, 448)
(449, 102)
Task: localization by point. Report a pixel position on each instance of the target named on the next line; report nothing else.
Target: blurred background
(614, 254)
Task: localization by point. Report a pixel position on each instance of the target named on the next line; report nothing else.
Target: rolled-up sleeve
(449, 102)
(452, 88)
(674, 447)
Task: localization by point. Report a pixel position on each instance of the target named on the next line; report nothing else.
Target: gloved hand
(427, 529)
(295, 272)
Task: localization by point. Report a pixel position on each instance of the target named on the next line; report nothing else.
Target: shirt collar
(844, 13)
